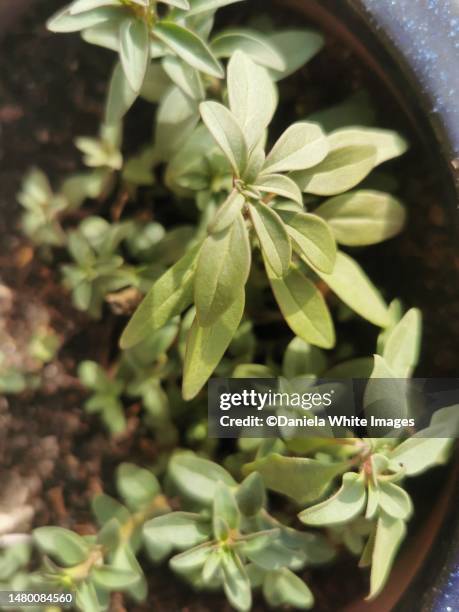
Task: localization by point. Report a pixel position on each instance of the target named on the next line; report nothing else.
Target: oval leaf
(167, 298)
(301, 146)
(388, 144)
(354, 288)
(280, 185)
(236, 583)
(134, 51)
(342, 169)
(197, 478)
(225, 506)
(62, 545)
(394, 500)
(222, 271)
(273, 237)
(227, 133)
(189, 47)
(284, 588)
(186, 78)
(179, 530)
(304, 480)
(344, 506)
(313, 238)
(402, 346)
(120, 97)
(206, 347)
(80, 6)
(63, 21)
(256, 46)
(297, 47)
(252, 97)
(303, 307)
(389, 535)
(363, 217)
(227, 213)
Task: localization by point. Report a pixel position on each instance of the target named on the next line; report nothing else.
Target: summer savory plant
(266, 222)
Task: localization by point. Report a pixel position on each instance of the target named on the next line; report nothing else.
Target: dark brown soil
(51, 453)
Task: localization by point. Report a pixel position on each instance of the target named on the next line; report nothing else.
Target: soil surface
(53, 457)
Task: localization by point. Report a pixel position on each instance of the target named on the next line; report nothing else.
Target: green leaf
(156, 83)
(402, 345)
(251, 495)
(105, 34)
(212, 567)
(252, 97)
(203, 6)
(137, 486)
(388, 144)
(353, 368)
(86, 597)
(236, 583)
(363, 217)
(176, 118)
(207, 345)
(113, 578)
(93, 376)
(63, 21)
(221, 529)
(197, 478)
(342, 169)
(225, 506)
(227, 133)
(254, 165)
(186, 78)
(189, 47)
(303, 359)
(222, 271)
(354, 288)
(284, 588)
(12, 559)
(313, 239)
(125, 559)
(227, 212)
(303, 307)
(273, 237)
(301, 146)
(297, 47)
(106, 508)
(167, 298)
(250, 42)
(342, 507)
(191, 560)
(304, 480)
(62, 545)
(431, 446)
(373, 500)
(134, 51)
(394, 500)
(389, 535)
(120, 96)
(179, 530)
(279, 185)
(181, 4)
(80, 6)
(418, 454)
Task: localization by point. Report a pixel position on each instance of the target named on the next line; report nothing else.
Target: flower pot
(412, 47)
(386, 38)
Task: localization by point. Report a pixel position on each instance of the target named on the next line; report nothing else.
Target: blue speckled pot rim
(423, 36)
